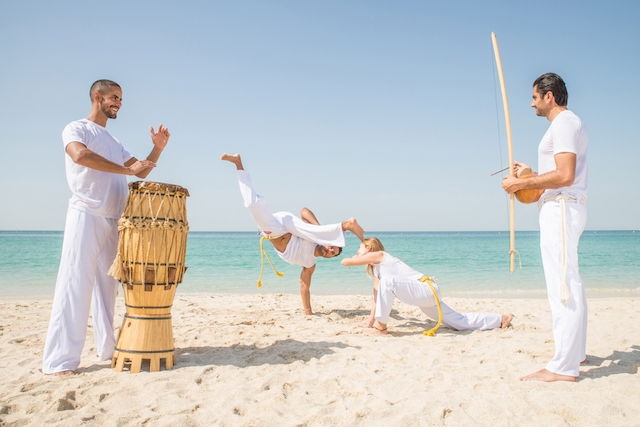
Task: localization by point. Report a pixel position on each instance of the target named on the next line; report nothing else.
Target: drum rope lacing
(169, 236)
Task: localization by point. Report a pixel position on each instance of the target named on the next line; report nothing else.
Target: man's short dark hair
(551, 82)
(339, 250)
(102, 86)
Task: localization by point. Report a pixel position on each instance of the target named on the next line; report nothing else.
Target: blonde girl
(392, 279)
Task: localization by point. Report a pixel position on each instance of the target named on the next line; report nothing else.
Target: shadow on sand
(618, 362)
(281, 352)
(397, 329)
(353, 314)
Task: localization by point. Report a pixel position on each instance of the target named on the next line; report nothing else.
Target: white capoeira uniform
(304, 236)
(398, 280)
(88, 249)
(562, 216)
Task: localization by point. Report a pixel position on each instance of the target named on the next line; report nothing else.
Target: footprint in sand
(27, 387)
(286, 389)
(68, 402)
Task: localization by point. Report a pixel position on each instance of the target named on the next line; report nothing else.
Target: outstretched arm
(368, 258)
(381, 328)
(372, 315)
(305, 286)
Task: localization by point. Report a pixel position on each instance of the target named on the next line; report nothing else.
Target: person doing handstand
(297, 240)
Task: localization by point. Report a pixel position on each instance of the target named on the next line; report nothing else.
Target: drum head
(158, 187)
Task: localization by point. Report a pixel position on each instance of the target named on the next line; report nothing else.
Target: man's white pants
(88, 249)
(417, 293)
(570, 319)
(279, 223)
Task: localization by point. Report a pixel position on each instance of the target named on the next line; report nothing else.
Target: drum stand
(146, 332)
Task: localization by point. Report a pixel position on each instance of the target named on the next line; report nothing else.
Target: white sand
(256, 360)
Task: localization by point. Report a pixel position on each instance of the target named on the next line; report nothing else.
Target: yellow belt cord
(429, 281)
(263, 255)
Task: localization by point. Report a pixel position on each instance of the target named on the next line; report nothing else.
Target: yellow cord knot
(430, 282)
(263, 255)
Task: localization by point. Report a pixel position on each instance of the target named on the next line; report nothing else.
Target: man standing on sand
(562, 162)
(297, 240)
(96, 167)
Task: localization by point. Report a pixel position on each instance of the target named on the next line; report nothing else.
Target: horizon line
(374, 231)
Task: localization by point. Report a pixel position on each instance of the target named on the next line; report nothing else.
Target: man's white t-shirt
(299, 252)
(565, 135)
(98, 193)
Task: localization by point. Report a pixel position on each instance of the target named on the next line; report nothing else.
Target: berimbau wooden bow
(507, 120)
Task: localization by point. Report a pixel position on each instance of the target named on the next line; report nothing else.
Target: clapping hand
(161, 137)
(141, 166)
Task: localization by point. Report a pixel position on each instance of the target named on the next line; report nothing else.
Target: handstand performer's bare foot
(547, 376)
(505, 322)
(352, 225)
(233, 158)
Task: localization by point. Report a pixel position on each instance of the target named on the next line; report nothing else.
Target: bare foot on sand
(365, 324)
(505, 322)
(62, 373)
(233, 158)
(376, 331)
(547, 376)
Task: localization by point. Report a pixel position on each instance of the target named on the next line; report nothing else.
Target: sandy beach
(256, 360)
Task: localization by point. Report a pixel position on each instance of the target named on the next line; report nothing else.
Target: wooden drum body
(150, 264)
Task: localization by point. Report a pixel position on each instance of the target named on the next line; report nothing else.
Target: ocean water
(464, 263)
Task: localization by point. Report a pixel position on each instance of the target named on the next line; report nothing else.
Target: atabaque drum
(150, 263)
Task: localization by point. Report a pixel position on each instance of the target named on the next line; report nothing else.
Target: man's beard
(107, 112)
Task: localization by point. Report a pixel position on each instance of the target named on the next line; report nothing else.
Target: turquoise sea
(465, 263)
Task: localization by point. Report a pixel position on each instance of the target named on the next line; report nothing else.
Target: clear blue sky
(381, 110)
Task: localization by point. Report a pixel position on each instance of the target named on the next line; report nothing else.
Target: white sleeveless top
(299, 252)
(392, 266)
